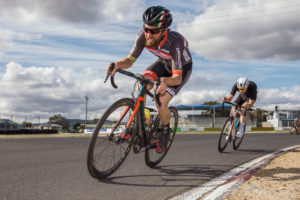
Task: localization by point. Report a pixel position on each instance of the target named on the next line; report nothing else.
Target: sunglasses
(153, 31)
(242, 89)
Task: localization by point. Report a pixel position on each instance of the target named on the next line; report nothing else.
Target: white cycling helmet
(242, 83)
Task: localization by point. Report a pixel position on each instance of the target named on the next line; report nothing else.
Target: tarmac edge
(218, 188)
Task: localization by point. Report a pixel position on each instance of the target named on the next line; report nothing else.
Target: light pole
(11, 124)
(86, 102)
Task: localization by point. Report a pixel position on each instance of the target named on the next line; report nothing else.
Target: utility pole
(86, 102)
(11, 124)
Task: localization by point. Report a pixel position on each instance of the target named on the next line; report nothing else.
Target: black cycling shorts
(242, 98)
(160, 69)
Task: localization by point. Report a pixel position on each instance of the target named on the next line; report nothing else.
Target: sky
(54, 53)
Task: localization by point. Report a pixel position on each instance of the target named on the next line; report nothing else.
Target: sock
(165, 128)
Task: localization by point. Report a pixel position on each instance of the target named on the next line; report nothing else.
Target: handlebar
(137, 76)
(234, 104)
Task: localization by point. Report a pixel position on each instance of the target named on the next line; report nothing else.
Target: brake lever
(111, 68)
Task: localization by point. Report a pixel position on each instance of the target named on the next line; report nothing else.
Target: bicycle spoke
(107, 152)
(152, 157)
(225, 135)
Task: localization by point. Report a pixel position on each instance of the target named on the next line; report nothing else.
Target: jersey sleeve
(254, 92)
(234, 90)
(177, 56)
(138, 47)
(180, 54)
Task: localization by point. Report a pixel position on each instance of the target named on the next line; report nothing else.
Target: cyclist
(173, 66)
(297, 124)
(246, 98)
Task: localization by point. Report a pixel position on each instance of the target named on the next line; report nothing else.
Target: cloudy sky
(54, 53)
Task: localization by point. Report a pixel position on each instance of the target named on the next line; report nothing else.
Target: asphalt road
(55, 168)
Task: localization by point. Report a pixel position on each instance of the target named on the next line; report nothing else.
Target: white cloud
(45, 91)
(285, 98)
(79, 11)
(246, 30)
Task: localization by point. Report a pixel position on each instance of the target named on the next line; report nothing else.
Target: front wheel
(225, 135)
(153, 158)
(112, 139)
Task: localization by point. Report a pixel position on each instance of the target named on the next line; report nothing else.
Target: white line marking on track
(219, 187)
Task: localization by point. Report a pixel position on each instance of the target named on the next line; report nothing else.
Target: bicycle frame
(139, 108)
(234, 121)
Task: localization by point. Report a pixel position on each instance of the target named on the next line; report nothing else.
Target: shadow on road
(262, 151)
(171, 176)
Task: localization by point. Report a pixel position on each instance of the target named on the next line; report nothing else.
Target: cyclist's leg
(171, 91)
(240, 100)
(165, 116)
(164, 112)
(153, 72)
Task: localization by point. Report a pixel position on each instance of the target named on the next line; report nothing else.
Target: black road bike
(231, 127)
(123, 126)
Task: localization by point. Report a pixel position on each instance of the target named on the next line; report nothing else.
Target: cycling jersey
(174, 58)
(173, 51)
(251, 93)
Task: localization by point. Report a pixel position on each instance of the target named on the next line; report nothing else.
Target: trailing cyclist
(173, 66)
(246, 98)
(297, 124)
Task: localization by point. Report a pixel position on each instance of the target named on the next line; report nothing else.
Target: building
(282, 119)
(8, 124)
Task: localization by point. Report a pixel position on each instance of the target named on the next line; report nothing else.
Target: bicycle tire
(107, 151)
(238, 140)
(226, 131)
(152, 158)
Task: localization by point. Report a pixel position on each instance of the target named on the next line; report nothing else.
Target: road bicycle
(123, 126)
(231, 127)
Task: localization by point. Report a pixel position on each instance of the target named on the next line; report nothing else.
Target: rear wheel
(152, 158)
(112, 139)
(238, 140)
(225, 135)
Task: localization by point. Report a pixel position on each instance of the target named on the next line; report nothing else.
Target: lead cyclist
(246, 98)
(173, 66)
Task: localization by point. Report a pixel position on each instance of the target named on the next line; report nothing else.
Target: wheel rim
(109, 147)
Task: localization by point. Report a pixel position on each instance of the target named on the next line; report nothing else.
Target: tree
(27, 124)
(61, 120)
(94, 121)
(211, 103)
(76, 126)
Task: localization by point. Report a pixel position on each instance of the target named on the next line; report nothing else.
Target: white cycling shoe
(239, 134)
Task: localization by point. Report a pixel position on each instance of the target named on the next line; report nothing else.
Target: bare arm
(174, 80)
(229, 98)
(125, 63)
(250, 103)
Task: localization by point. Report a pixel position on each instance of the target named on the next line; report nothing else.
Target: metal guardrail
(26, 131)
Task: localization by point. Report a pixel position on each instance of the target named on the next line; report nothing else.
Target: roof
(7, 122)
(288, 119)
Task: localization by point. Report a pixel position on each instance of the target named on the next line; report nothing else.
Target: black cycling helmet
(157, 16)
